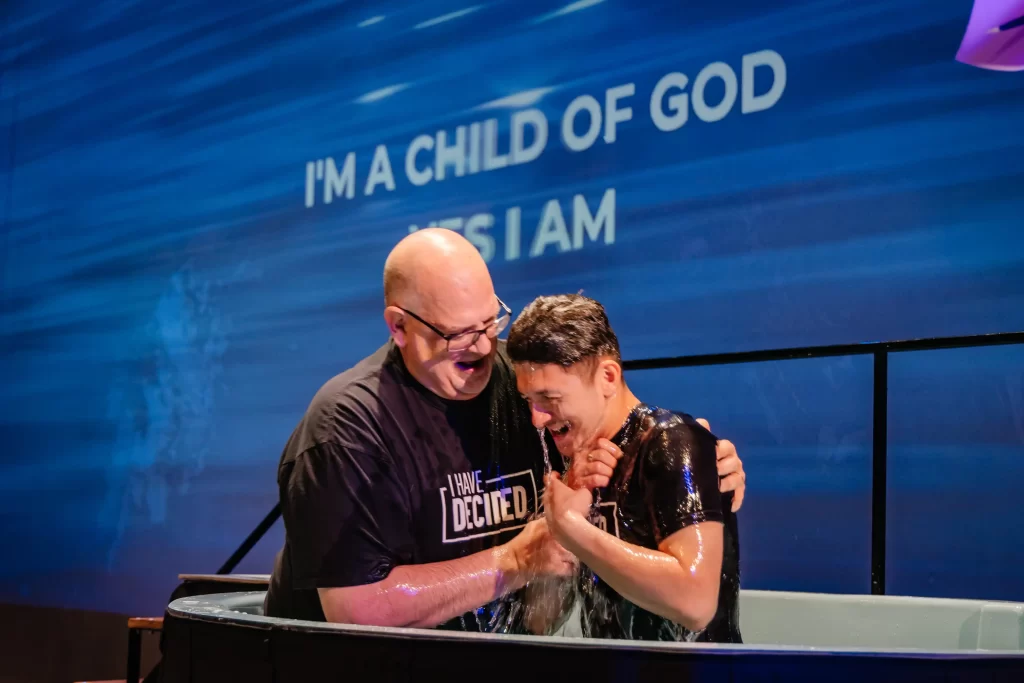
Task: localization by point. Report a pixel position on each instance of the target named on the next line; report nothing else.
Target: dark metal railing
(251, 540)
(879, 460)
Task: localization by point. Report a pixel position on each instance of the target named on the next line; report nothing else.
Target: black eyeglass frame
(498, 325)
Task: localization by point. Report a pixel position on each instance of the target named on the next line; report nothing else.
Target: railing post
(251, 540)
(879, 465)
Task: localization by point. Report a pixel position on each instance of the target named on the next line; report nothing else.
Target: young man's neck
(619, 408)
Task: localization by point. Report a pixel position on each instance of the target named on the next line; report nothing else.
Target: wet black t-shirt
(381, 473)
(666, 480)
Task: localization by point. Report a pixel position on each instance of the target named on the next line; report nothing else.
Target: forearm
(651, 579)
(426, 595)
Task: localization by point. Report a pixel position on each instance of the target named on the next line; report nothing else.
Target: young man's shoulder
(673, 433)
(680, 466)
(664, 420)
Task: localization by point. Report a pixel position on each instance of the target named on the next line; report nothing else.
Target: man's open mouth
(559, 429)
(471, 365)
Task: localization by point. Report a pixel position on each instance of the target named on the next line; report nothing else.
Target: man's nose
(539, 418)
(483, 345)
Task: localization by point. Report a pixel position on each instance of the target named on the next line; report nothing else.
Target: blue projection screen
(198, 198)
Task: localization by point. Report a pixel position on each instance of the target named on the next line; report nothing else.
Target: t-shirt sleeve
(681, 478)
(346, 518)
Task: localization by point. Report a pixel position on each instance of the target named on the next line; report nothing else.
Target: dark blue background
(169, 305)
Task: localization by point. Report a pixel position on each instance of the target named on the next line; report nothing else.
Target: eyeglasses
(460, 341)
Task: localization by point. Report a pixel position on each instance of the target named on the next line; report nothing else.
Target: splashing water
(544, 446)
(566, 606)
(561, 593)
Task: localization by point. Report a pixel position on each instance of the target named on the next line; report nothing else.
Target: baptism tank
(787, 637)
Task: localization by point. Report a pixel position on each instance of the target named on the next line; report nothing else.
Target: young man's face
(570, 403)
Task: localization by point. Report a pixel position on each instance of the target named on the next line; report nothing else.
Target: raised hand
(593, 469)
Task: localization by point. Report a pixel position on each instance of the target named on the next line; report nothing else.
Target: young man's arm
(680, 580)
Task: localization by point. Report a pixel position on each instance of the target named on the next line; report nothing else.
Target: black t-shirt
(666, 480)
(381, 472)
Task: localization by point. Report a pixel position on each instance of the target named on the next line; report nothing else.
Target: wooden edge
(148, 623)
(255, 579)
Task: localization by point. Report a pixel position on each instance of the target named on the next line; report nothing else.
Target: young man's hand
(561, 501)
(593, 469)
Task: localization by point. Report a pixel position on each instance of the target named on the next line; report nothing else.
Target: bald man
(410, 487)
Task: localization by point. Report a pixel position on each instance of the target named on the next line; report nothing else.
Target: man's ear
(396, 321)
(609, 376)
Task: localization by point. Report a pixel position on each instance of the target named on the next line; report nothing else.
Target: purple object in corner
(995, 36)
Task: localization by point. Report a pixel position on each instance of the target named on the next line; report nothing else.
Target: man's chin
(470, 385)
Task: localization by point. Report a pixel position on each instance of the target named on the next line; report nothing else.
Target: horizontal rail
(796, 353)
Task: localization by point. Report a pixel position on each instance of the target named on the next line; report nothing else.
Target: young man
(659, 543)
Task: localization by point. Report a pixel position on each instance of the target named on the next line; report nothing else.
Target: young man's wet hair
(565, 329)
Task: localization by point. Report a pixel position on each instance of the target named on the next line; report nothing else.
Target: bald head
(437, 288)
(429, 262)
